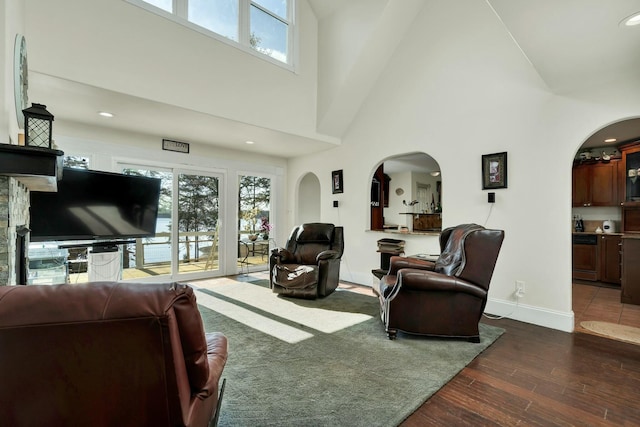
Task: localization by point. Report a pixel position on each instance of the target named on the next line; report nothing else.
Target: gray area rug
(323, 363)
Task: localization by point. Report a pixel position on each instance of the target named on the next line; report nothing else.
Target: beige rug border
(616, 331)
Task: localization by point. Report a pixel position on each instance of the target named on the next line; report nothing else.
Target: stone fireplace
(14, 218)
(22, 169)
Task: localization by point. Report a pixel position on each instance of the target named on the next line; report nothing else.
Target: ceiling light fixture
(434, 173)
(632, 20)
(249, 142)
(105, 114)
(610, 140)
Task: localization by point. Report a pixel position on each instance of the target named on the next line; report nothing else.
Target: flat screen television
(92, 205)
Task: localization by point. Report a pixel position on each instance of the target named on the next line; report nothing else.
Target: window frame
(180, 16)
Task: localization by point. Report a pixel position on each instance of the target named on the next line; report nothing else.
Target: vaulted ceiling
(573, 45)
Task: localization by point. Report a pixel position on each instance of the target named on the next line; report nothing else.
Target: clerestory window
(265, 26)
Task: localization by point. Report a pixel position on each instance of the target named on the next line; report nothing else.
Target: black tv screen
(91, 205)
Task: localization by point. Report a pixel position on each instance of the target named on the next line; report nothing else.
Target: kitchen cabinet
(631, 187)
(427, 222)
(595, 184)
(585, 255)
(630, 270)
(610, 258)
(629, 173)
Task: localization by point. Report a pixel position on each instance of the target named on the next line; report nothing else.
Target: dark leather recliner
(107, 354)
(445, 298)
(309, 265)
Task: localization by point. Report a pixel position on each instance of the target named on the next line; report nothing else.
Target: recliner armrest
(282, 255)
(423, 280)
(217, 353)
(398, 262)
(328, 254)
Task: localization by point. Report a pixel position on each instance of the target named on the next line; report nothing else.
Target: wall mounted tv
(92, 205)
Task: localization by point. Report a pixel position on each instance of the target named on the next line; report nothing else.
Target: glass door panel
(254, 225)
(198, 210)
(151, 256)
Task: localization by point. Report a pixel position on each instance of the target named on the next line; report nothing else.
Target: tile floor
(603, 304)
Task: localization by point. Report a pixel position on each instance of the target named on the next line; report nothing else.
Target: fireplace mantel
(39, 169)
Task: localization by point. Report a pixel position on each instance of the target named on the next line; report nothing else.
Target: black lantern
(38, 124)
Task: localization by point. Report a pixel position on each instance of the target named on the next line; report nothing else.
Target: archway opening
(604, 184)
(406, 194)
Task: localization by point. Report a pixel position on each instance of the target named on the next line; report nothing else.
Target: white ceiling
(573, 45)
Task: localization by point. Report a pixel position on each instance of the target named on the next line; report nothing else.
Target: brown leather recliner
(309, 265)
(107, 354)
(445, 298)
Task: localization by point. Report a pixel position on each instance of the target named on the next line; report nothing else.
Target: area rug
(614, 331)
(326, 362)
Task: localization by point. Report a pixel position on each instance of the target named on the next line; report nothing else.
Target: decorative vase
(253, 237)
(265, 236)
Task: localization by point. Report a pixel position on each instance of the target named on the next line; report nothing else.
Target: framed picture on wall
(494, 170)
(337, 184)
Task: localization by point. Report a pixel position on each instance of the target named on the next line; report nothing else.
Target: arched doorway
(599, 184)
(308, 209)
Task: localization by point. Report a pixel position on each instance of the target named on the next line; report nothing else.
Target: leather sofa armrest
(398, 262)
(423, 280)
(328, 254)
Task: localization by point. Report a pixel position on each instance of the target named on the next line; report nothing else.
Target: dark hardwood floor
(538, 376)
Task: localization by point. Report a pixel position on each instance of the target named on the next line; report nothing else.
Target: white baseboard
(563, 321)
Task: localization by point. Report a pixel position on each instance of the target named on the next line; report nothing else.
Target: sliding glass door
(186, 244)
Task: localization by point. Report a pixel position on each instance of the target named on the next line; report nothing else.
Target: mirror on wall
(406, 194)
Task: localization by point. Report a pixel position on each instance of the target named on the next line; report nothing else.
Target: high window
(264, 26)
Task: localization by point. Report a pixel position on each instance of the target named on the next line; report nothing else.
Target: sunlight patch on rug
(292, 310)
(614, 330)
(253, 320)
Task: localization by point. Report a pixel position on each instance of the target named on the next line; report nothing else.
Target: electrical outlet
(520, 288)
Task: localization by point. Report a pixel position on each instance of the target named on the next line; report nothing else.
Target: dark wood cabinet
(596, 184)
(581, 185)
(630, 270)
(377, 207)
(610, 258)
(585, 262)
(427, 222)
(631, 187)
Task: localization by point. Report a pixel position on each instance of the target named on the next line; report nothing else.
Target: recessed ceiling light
(632, 20)
(609, 140)
(434, 173)
(249, 142)
(105, 114)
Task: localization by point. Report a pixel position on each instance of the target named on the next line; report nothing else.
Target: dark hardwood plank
(540, 376)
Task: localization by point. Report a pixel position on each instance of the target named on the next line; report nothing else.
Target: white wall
(121, 47)
(12, 19)
(458, 88)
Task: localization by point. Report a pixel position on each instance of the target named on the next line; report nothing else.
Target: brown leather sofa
(445, 298)
(107, 354)
(309, 265)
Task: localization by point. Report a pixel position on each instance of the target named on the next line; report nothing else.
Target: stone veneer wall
(14, 212)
